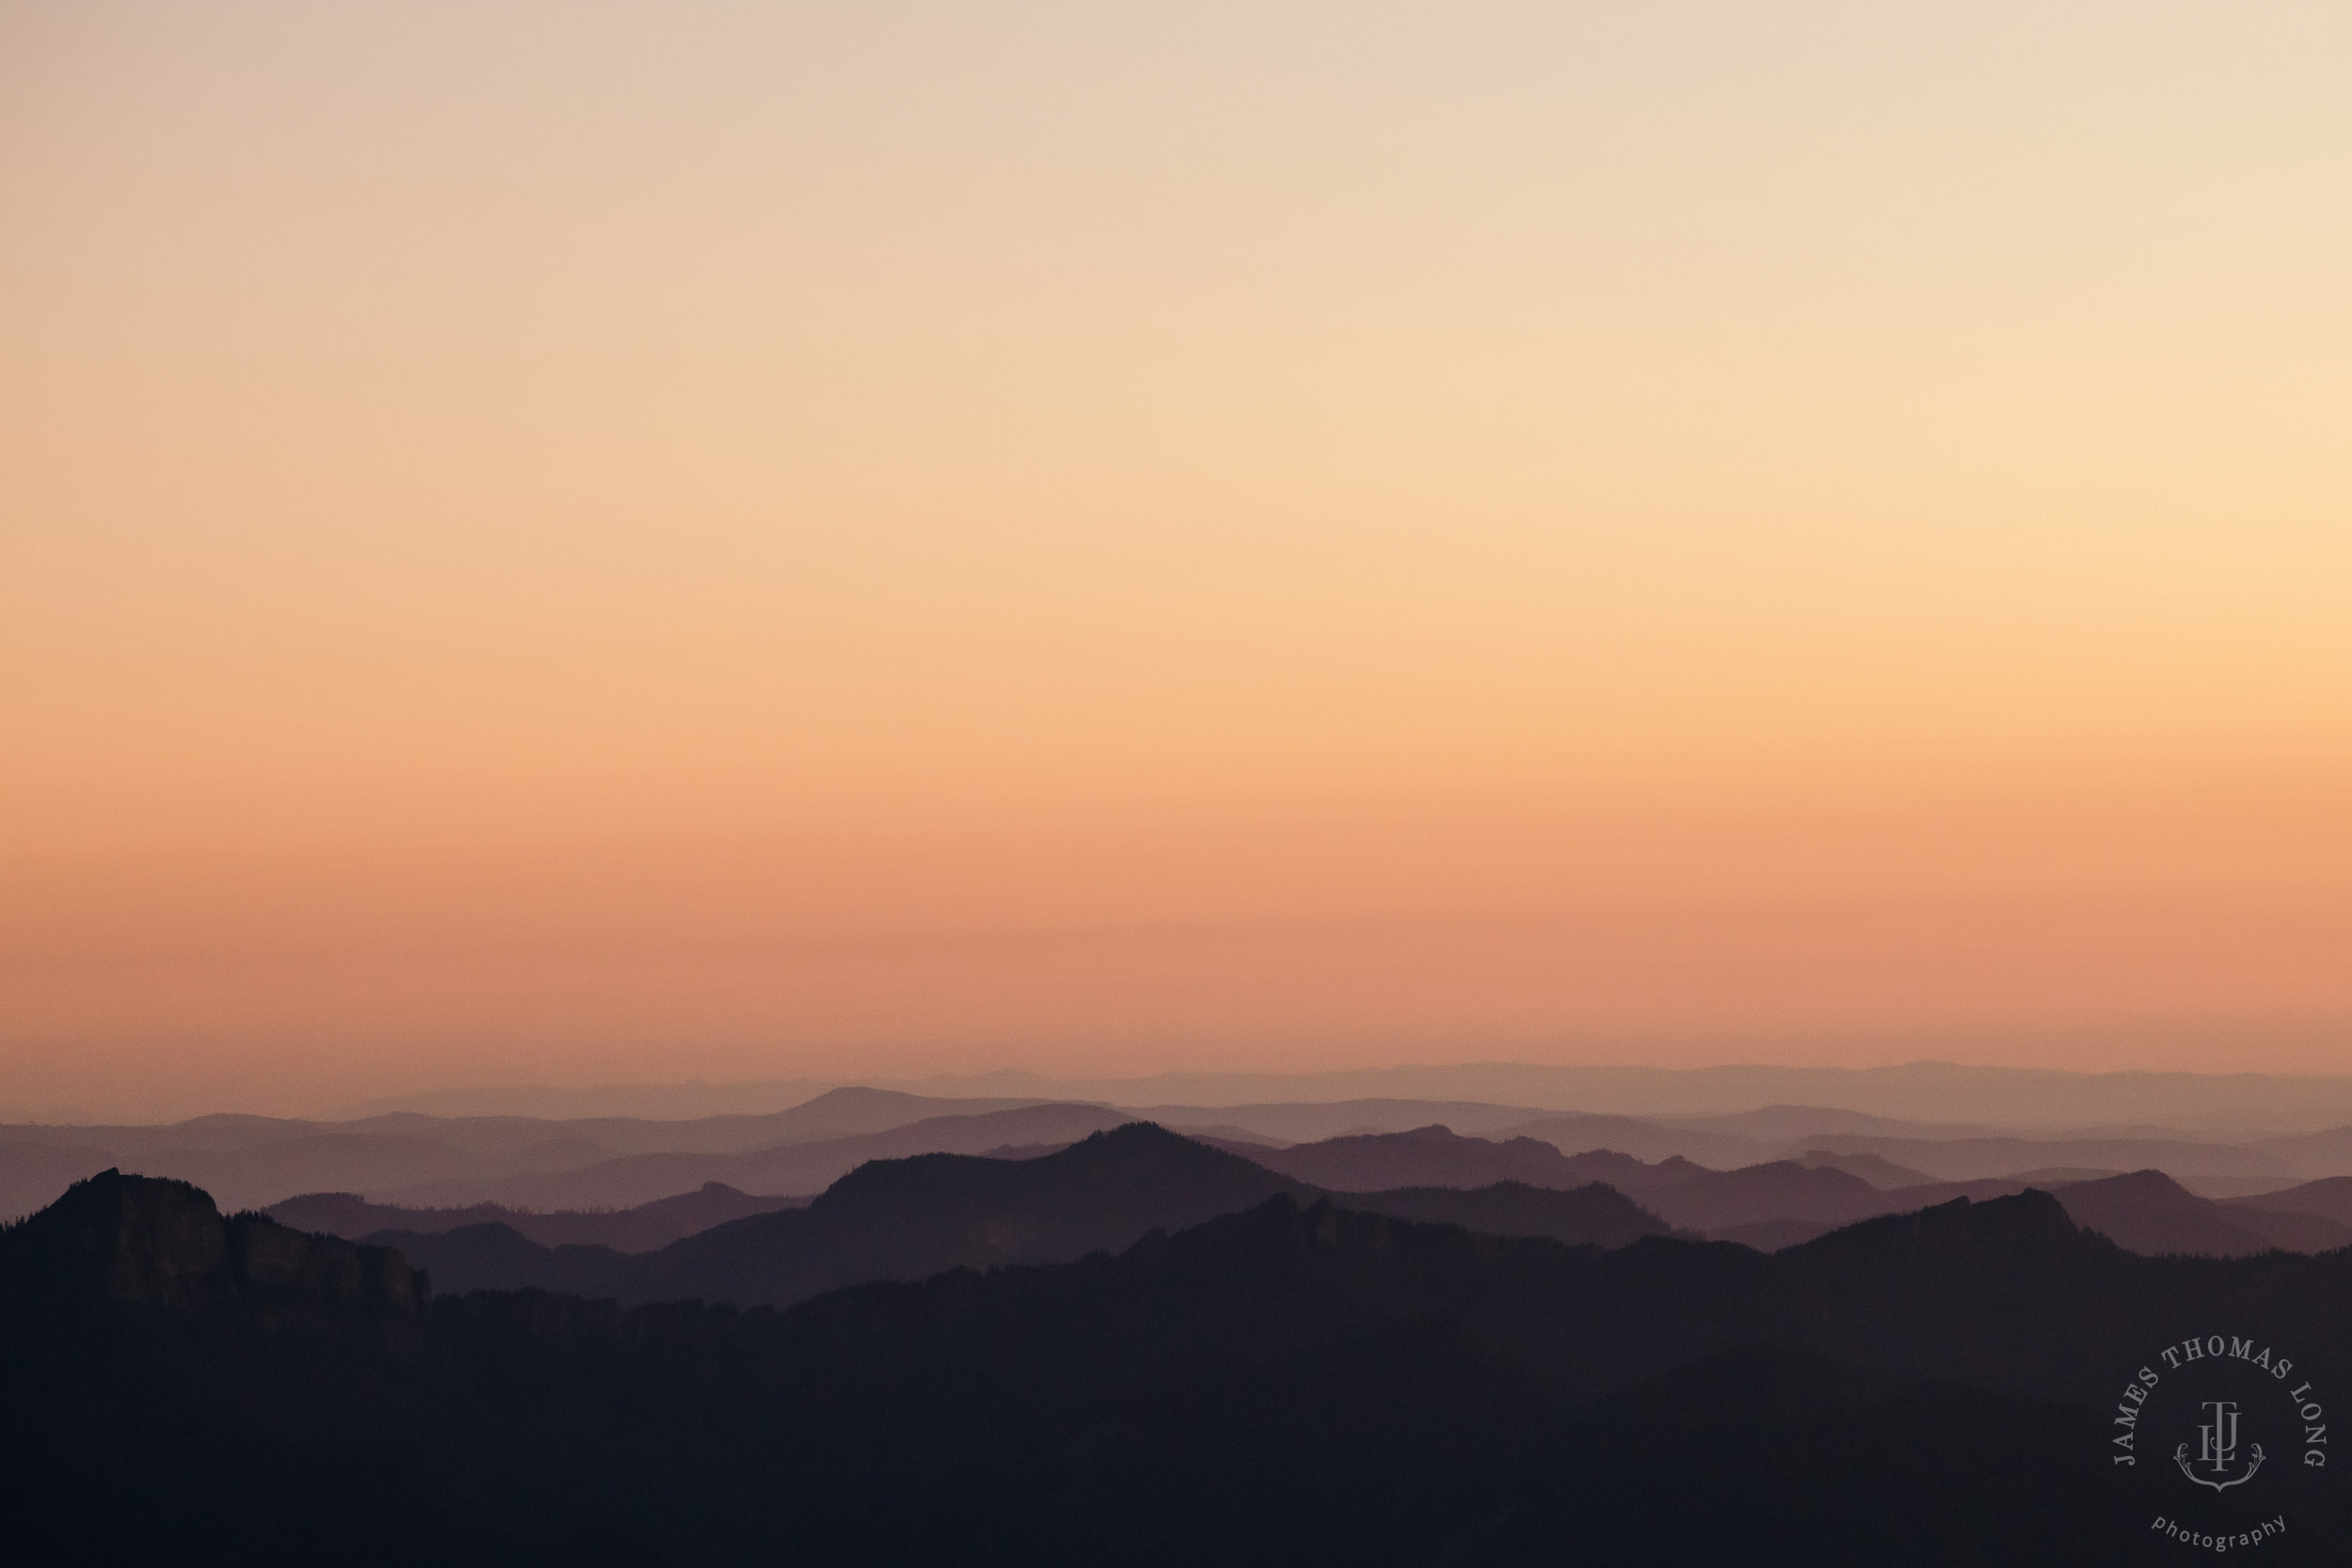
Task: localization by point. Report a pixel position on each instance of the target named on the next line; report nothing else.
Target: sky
(592, 542)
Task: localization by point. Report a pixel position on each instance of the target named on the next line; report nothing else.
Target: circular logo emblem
(2220, 1444)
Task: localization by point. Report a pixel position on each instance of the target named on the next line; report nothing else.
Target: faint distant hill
(2231, 1106)
(1881, 1173)
(644, 1228)
(835, 1114)
(793, 1167)
(1307, 1121)
(2148, 1211)
(1777, 1126)
(1794, 1200)
(1646, 1140)
(2330, 1198)
(840, 1113)
(690, 1101)
(1924, 1098)
(2317, 1154)
(1981, 1158)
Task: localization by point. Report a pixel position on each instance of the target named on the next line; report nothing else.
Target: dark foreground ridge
(1296, 1382)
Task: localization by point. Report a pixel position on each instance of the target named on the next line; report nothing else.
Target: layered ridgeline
(1296, 1382)
(645, 1228)
(1780, 1202)
(610, 1163)
(1766, 1204)
(906, 1219)
(518, 1166)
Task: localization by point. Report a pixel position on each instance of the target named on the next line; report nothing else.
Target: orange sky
(569, 542)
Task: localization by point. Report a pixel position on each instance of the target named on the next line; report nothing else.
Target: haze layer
(573, 544)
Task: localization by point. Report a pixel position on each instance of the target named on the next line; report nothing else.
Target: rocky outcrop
(287, 1275)
(141, 1241)
(129, 1240)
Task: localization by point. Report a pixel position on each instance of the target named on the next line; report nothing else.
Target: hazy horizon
(628, 545)
(1927, 1093)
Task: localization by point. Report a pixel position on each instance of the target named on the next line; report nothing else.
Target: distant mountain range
(1717, 1203)
(508, 1169)
(250, 1161)
(2210, 1107)
(911, 1218)
(1781, 1203)
(796, 1167)
(1433, 1156)
(2330, 1196)
(423, 1162)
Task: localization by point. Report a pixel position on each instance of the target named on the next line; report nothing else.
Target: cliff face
(284, 1273)
(125, 1238)
(139, 1242)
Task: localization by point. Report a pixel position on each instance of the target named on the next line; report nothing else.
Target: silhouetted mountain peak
(1627, 1171)
(2031, 1223)
(1430, 1156)
(130, 1238)
(1140, 1156)
(1146, 1145)
(859, 1096)
(2150, 1184)
(912, 1217)
(2148, 1211)
(140, 1241)
(1878, 1171)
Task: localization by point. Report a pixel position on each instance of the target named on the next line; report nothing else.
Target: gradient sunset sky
(588, 542)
